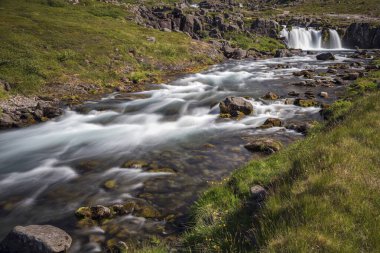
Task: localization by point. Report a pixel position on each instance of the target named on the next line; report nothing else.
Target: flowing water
(311, 39)
(49, 170)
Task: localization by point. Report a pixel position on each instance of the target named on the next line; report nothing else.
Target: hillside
(88, 46)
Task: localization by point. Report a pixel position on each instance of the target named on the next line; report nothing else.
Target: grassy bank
(51, 41)
(368, 7)
(323, 191)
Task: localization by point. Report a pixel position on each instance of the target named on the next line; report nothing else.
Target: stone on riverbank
(267, 146)
(36, 239)
(258, 193)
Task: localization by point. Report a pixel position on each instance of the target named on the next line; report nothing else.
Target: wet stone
(272, 122)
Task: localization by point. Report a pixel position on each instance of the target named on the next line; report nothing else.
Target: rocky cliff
(362, 35)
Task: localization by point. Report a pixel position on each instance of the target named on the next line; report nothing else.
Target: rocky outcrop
(266, 27)
(362, 35)
(36, 239)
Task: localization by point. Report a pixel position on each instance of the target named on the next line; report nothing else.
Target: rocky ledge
(20, 111)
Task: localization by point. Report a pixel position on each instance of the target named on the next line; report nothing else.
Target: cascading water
(310, 39)
(335, 41)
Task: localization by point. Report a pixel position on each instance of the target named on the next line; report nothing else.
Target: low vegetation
(323, 191)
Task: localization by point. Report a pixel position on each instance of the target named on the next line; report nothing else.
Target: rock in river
(272, 122)
(36, 239)
(271, 96)
(234, 105)
(325, 57)
(305, 102)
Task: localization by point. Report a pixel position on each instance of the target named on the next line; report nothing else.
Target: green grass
(50, 41)
(260, 43)
(324, 191)
(368, 7)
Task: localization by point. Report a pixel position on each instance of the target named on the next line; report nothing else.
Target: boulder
(325, 56)
(234, 105)
(36, 239)
(264, 145)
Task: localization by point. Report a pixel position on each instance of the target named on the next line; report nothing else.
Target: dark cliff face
(362, 35)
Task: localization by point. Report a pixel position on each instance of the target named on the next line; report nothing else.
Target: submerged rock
(36, 239)
(268, 146)
(234, 105)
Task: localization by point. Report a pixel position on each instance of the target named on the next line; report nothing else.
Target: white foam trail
(35, 181)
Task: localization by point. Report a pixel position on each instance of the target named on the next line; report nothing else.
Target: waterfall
(335, 41)
(310, 39)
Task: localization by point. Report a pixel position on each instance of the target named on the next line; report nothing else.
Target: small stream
(49, 170)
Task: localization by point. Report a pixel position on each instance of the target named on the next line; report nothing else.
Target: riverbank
(321, 193)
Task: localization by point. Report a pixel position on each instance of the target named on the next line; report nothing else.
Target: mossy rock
(263, 145)
(83, 212)
(305, 102)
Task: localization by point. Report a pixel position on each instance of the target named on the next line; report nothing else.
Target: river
(49, 170)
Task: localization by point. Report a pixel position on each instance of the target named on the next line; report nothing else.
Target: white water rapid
(311, 39)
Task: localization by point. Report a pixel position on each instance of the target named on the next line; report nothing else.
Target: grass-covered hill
(323, 191)
(53, 42)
